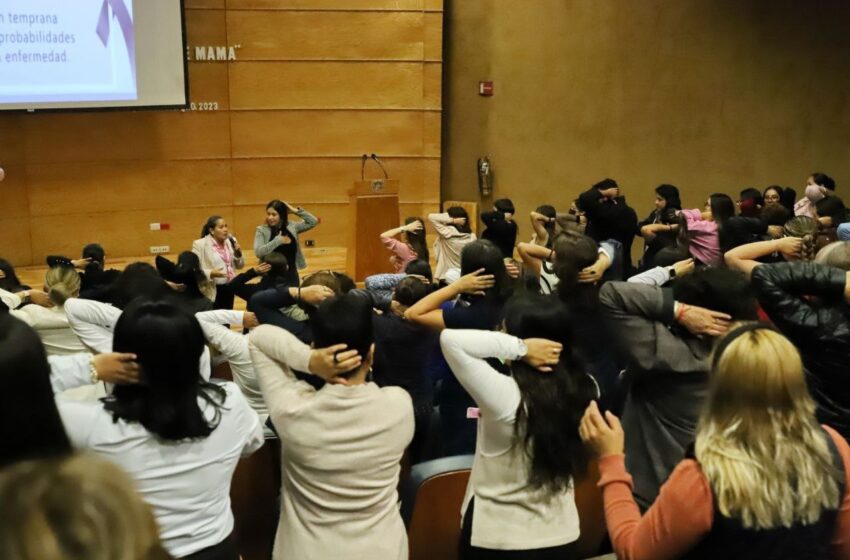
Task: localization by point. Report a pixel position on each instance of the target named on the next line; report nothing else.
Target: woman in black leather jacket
(808, 302)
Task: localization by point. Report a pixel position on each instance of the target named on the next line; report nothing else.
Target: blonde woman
(49, 320)
(81, 507)
(764, 480)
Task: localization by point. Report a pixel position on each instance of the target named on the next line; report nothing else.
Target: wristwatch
(522, 348)
(672, 272)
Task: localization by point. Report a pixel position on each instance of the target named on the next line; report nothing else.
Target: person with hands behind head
(762, 479)
(799, 243)
(668, 335)
(280, 235)
(474, 301)
(520, 496)
(501, 228)
(411, 247)
(660, 275)
(808, 303)
(343, 443)
(46, 314)
(453, 233)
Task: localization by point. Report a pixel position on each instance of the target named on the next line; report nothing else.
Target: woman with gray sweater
(279, 235)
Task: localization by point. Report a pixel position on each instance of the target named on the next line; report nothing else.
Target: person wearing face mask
(818, 186)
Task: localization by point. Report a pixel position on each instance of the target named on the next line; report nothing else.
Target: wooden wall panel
(14, 200)
(209, 84)
(316, 83)
(256, 181)
(342, 5)
(434, 36)
(205, 28)
(115, 186)
(110, 136)
(328, 133)
(289, 35)
(17, 243)
(203, 4)
(327, 85)
(11, 139)
(432, 94)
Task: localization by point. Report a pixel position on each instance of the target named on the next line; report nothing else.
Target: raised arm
(538, 221)
(745, 257)
(93, 322)
(308, 220)
(465, 351)
(642, 314)
(427, 311)
(275, 352)
(533, 255)
(443, 225)
(782, 291)
(232, 344)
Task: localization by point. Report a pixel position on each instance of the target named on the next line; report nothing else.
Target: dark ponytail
(551, 404)
(209, 225)
(574, 252)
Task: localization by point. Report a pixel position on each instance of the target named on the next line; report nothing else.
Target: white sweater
(509, 513)
(342, 447)
(51, 324)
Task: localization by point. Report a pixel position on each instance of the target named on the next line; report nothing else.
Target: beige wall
(707, 95)
(316, 84)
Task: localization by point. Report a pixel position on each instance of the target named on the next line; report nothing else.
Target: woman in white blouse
(49, 320)
(220, 256)
(519, 502)
(177, 435)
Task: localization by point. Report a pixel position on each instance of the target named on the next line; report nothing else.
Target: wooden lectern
(373, 209)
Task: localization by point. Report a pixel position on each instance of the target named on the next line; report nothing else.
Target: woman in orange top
(764, 480)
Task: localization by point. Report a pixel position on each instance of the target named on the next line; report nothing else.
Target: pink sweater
(402, 252)
(705, 241)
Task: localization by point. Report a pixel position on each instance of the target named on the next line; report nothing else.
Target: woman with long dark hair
(30, 426)
(412, 245)
(177, 435)
(280, 235)
(519, 501)
(707, 229)
(479, 296)
(762, 480)
(543, 223)
(654, 235)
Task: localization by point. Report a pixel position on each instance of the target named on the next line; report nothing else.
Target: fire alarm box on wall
(485, 89)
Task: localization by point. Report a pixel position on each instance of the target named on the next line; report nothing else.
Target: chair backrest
(431, 504)
(254, 493)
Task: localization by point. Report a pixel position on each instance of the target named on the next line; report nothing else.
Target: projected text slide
(65, 51)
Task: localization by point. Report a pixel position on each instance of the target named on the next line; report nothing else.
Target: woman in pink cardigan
(411, 246)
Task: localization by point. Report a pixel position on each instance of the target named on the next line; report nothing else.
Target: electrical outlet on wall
(309, 242)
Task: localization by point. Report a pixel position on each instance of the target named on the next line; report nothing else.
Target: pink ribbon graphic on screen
(125, 20)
